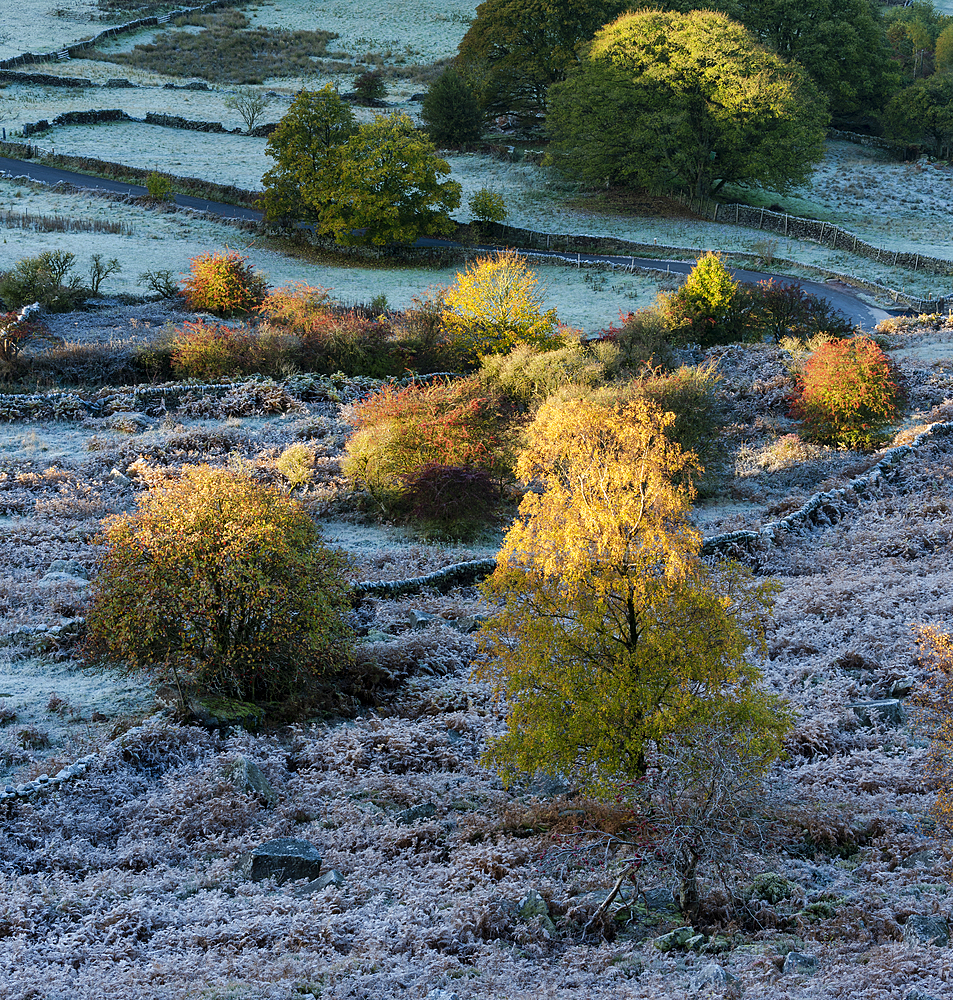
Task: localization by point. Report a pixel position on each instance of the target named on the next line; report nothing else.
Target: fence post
(761, 220)
(785, 223)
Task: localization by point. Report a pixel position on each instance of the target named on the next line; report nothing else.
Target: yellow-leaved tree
(494, 305)
(613, 635)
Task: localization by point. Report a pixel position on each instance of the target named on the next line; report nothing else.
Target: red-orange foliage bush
(400, 430)
(224, 284)
(329, 339)
(848, 393)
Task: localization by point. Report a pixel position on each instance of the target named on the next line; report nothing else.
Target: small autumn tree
(848, 393)
(613, 634)
(495, 304)
(399, 431)
(708, 308)
(217, 582)
(224, 284)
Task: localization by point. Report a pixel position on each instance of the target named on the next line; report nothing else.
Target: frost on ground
(166, 240)
(129, 882)
(422, 31)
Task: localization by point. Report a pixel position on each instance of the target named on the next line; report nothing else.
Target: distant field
(894, 205)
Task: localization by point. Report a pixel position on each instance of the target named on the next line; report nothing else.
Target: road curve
(840, 296)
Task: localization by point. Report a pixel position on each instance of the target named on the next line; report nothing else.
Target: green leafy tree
(841, 43)
(685, 101)
(305, 147)
(709, 307)
(613, 634)
(388, 186)
(219, 582)
(923, 114)
(518, 48)
(487, 206)
(451, 111)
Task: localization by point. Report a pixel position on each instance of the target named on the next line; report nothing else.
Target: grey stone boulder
(922, 859)
(249, 778)
(424, 811)
(333, 877)
(920, 929)
(470, 624)
(711, 974)
(420, 619)
(284, 860)
(900, 687)
(920, 995)
(129, 421)
(53, 579)
(69, 566)
(675, 939)
(886, 711)
(796, 963)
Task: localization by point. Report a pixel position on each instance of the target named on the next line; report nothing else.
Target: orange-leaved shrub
(224, 284)
(398, 431)
(848, 393)
(326, 339)
(221, 585)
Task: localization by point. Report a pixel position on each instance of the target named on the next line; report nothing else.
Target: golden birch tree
(613, 634)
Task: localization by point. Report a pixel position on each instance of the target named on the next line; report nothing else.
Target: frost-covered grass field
(166, 240)
(129, 882)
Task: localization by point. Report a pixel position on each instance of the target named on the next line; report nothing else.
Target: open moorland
(132, 879)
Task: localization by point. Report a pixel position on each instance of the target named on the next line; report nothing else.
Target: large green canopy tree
(841, 43)
(378, 182)
(516, 49)
(304, 147)
(691, 102)
(923, 113)
(390, 186)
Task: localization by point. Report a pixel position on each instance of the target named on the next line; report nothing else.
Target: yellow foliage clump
(219, 582)
(613, 634)
(494, 305)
